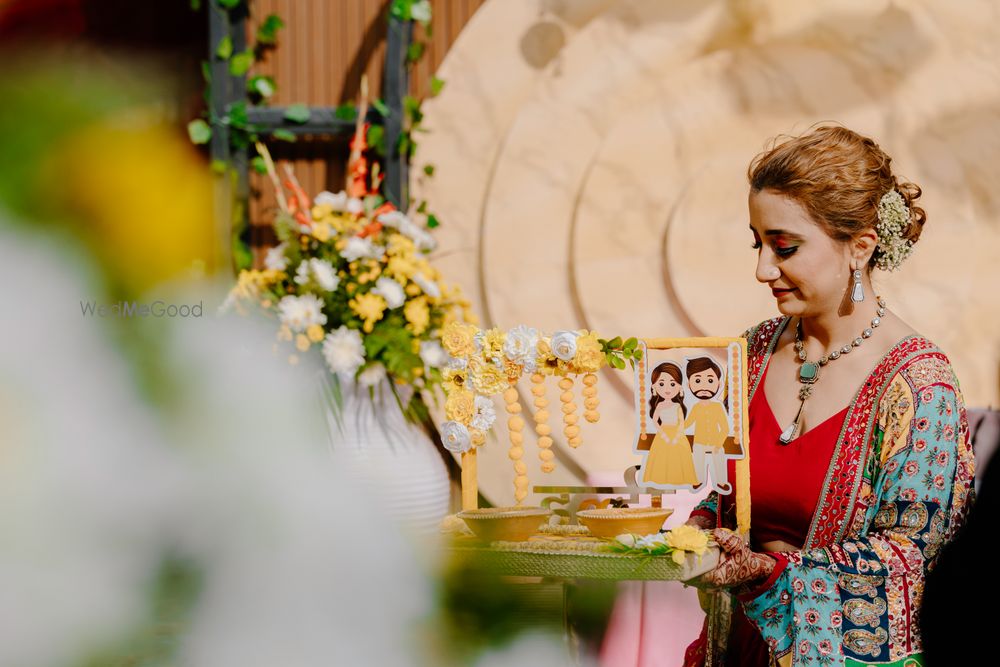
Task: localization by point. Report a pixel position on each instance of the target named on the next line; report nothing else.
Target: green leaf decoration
(411, 109)
(618, 363)
(376, 138)
(262, 85)
(429, 169)
(225, 48)
(284, 135)
(437, 85)
(195, 5)
(346, 112)
(432, 221)
(240, 63)
(630, 345)
(381, 107)
(199, 131)
(258, 164)
(229, 4)
(267, 33)
(415, 51)
(206, 71)
(297, 113)
(615, 343)
(237, 116)
(422, 208)
(637, 355)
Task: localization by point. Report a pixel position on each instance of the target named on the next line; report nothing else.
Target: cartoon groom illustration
(711, 424)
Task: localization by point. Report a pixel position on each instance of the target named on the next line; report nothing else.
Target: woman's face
(666, 387)
(807, 271)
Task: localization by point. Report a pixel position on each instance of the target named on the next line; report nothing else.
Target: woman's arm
(860, 597)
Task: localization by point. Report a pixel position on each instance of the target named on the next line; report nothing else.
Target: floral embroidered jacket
(898, 487)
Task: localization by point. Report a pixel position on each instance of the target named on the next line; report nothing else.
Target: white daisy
(298, 313)
(358, 247)
(337, 202)
(429, 287)
(372, 375)
(275, 260)
(344, 351)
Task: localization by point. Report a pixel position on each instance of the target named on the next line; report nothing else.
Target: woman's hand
(702, 522)
(738, 564)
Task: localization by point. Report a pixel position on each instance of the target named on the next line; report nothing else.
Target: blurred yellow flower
(688, 538)
(315, 333)
(589, 356)
(284, 333)
(321, 231)
(417, 314)
(301, 343)
(368, 307)
(320, 211)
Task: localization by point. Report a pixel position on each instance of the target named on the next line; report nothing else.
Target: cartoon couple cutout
(671, 460)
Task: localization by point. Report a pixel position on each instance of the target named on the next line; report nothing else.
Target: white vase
(393, 460)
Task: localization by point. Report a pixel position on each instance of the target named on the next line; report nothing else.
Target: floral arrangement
(485, 363)
(352, 279)
(676, 543)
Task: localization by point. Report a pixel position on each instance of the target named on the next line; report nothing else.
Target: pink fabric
(653, 621)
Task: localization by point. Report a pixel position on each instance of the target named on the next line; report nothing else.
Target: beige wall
(590, 166)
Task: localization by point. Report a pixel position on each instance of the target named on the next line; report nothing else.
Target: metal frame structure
(227, 90)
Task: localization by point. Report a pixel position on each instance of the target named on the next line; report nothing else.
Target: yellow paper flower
(588, 357)
(486, 378)
(460, 406)
(368, 307)
(493, 340)
(678, 557)
(417, 315)
(454, 379)
(458, 339)
(688, 538)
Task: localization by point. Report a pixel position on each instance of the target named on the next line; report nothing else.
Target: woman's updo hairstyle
(840, 177)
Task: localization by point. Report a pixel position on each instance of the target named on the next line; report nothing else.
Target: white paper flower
(358, 247)
(564, 345)
(298, 313)
(337, 202)
(485, 414)
(457, 363)
(429, 287)
(391, 291)
(275, 259)
(344, 351)
(355, 206)
(372, 375)
(432, 354)
(455, 437)
(521, 343)
(626, 539)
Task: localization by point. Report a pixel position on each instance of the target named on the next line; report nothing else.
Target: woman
(860, 464)
(670, 461)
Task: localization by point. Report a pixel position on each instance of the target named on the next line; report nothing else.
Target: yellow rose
(460, 406)
(368, 307)
(417, 315)
(458, 339)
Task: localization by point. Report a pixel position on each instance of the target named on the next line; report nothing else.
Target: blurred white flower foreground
(97, 487)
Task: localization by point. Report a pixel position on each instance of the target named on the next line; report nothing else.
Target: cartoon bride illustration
(670, 461)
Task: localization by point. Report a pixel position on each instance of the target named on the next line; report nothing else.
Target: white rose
(391, 291)
(432, 354)
(485, 415)
(275, 259)
(337, 202)
(372, 375)
(455, 437)
(344, 351)
(564, 345)
(521, 343)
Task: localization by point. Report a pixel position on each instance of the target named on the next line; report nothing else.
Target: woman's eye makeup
(785, 251)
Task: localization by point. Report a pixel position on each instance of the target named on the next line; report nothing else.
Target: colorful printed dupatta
(898, 487)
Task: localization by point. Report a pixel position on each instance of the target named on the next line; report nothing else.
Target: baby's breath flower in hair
(893, 218)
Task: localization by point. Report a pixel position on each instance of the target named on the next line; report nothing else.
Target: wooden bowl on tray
(507, 524)
(615, 521)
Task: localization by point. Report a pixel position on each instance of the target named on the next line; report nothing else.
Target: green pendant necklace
(809, 370)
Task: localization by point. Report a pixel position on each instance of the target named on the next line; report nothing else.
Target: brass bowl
(614, 521)
(508, 524)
